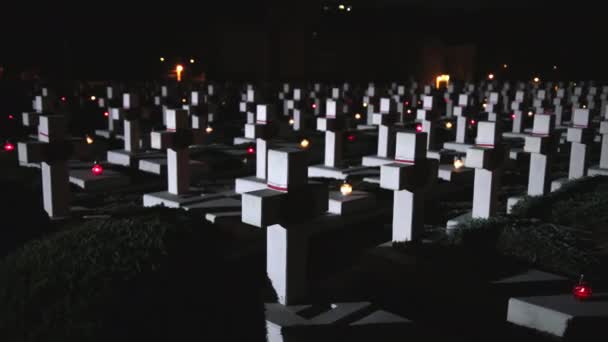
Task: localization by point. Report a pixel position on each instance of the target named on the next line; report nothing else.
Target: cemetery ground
(156, 268)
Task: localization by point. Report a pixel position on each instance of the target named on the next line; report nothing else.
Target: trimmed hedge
(22, 217)
(578, 196)
(548, 246)
(156, 276)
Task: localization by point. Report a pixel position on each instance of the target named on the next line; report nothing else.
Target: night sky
(274, 40)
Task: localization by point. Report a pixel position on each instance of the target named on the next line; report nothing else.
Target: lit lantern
(191, 60)
(491, 76)
(93, 98)
(209, 129)
(505, 66)
(346, 189)
(250, 150)
(555, 67)
(364, 104)
(536, 79)
(291, 122)
(97, 169)
(409, 111)
(89, 139)
(407, 103)
(485, 105)
(358, 116)
(418, 128)
(304, 143)
(582, 290)
(584, 106)
(179, 69)
(530, 113)
(449, 125)
(351, 137)
(11, 117)
(341, 7)
(442, 79)
(63, 98)
(512, 116)
(8, 146)
(458, 163)
(106, 114)
(314, 106)
(183, 100)
(472, 122)
(162, 59)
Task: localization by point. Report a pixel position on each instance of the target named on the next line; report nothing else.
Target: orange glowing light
(346, 189)
(179, 69)
(458, 163)
(442, 79)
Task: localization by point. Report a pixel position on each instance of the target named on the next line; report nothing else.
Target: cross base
(84, 179)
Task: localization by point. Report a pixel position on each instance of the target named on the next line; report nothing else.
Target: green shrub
(156, 276)
(543, 206)
(22, 217)
(548, 246)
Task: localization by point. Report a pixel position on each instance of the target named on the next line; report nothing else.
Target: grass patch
(157, 275)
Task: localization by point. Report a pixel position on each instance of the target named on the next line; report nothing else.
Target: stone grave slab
(343, 205)
(109, 179)
(559, 315)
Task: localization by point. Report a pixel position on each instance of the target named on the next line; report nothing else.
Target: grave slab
(215, 204)
(374, 161)
(322, 171)
(171, 200)
(131, 159)
(456, 221)
(248, 184)
(456, 146)
(356, 201)
(86, 180)
(448, 172)
(223, 216)
(559, 315)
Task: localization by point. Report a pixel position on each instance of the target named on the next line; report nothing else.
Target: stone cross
(284, 207)
(542, 146)
(602, 168)
(408, 177)
(332, 126)
(487, 158)
(579, 135)
(386, 140)
(54, 167)
(176, 139)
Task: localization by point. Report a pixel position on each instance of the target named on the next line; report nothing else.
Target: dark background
(278, 40)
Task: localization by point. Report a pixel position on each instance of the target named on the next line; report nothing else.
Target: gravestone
(409, 178)
(487, 157)
(132, 151)
(602, 168)
(542, 146)
(579, 135)
(333, 167)
(53, 159)
(257, 182)
(386, 140)
(175, 139)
